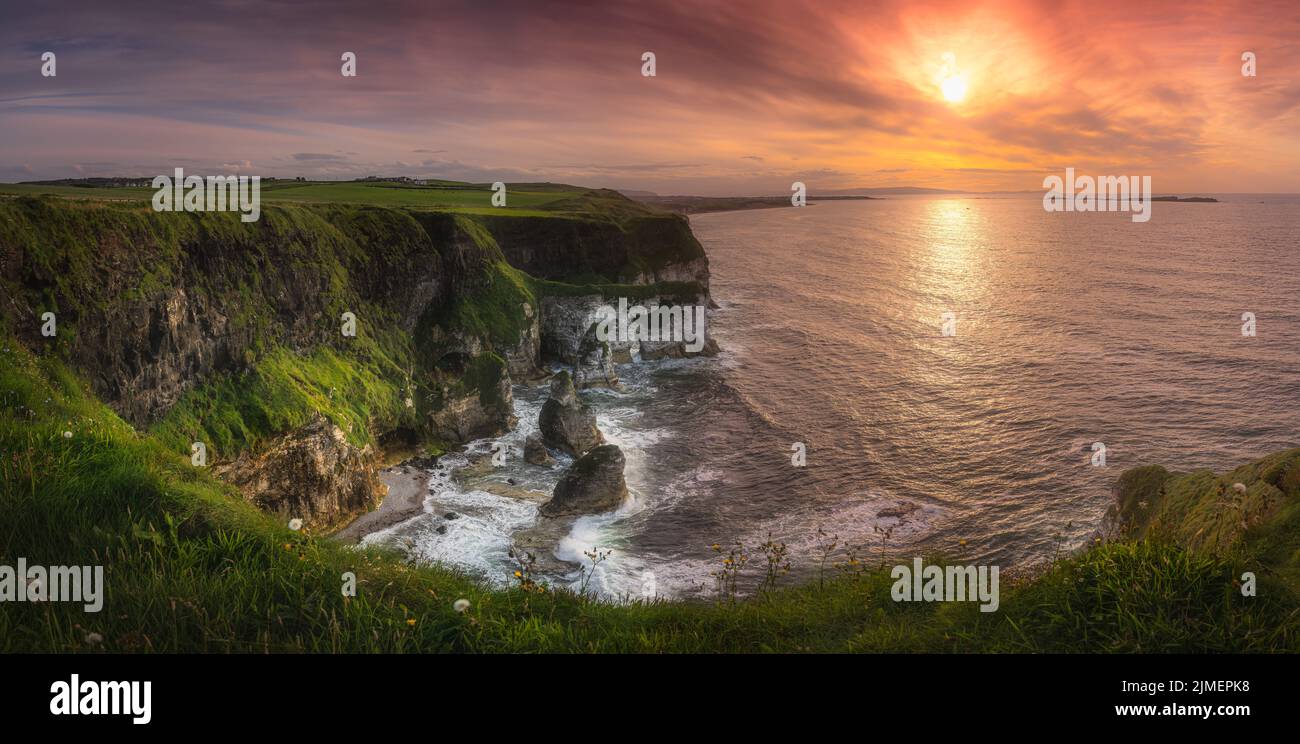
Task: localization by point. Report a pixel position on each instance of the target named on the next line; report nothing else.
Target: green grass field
(530, 199)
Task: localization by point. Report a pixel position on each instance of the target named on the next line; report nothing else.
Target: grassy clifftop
(200, 327)
(1251, 512)
(191, 567)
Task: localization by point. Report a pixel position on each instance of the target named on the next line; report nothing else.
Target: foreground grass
(191, 567)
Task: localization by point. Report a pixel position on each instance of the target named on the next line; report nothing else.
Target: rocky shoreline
(592, 483)
(286, 377)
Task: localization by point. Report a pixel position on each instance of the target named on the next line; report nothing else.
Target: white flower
(460, 605)
(94, 638)
(295, 524)
(1239, 487)
(67, 435)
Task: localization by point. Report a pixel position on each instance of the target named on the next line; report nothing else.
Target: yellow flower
(410, 621)
(518, 575)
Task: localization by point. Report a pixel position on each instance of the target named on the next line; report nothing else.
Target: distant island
(701, 204)
(1185, 199)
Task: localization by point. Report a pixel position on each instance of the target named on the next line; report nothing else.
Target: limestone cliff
(265, 340)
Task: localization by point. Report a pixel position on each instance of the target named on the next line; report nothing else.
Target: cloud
(845, 88)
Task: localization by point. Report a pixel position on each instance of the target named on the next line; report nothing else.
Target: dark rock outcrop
(592, 484)
(651, 350)
(643, 250)
(566, 423)
(594, 365)
(535, 451)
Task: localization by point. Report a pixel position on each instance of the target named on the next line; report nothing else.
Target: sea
(965, 375)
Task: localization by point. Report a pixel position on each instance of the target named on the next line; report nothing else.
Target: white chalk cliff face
(569, 337)
(695, 270)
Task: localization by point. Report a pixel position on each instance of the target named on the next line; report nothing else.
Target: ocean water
(1070, 329)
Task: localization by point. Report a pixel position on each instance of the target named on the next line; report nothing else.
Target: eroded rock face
(566, 423)
(593, 484)
(522, 358)
(568, 331)
(312, 473)
(569, 336)
(463, 414)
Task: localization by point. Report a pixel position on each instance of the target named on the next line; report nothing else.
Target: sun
(952, 83)
(954, 89)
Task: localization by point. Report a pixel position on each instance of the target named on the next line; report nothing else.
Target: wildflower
(295, 524)
(518, 575)
(460, 605)
(67, 435)
(94, 638)
(1239, 487)
(410, 621)
(962, 543)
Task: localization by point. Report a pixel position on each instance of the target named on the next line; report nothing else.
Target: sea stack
(566, 423)
(593, 484)
(535, 451)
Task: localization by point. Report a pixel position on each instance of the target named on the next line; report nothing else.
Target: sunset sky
(749, 96)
